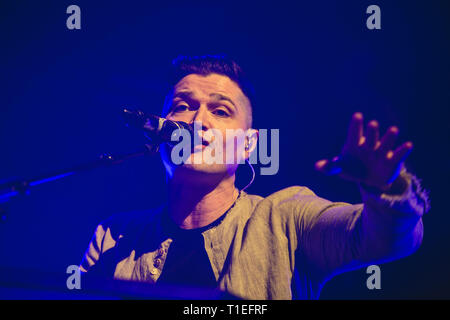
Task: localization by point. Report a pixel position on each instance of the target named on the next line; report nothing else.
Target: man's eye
(179, 108)
(221, 113)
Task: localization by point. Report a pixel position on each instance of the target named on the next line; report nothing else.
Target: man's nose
(201, 118)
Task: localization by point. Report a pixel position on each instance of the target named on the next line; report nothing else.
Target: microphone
(158, 129)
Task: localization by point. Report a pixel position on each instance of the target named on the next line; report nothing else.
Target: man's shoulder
(287, 203)
(292, 193)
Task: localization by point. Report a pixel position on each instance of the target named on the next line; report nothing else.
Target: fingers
(321, 164)
(327, 166)
(402, 152)
(387, 142)
(355, 136)
(355, 130)
(371, 141)
(371, 135)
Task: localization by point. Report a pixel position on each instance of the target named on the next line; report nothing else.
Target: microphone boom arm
(159, 129)
(23, 186)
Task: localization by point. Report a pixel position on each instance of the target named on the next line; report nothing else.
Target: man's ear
(251, 141)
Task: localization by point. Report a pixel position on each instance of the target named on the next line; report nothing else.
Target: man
(284, 246)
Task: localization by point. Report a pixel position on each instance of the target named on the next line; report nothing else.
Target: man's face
(218, 104)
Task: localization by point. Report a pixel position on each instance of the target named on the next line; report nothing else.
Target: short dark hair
(208, 64)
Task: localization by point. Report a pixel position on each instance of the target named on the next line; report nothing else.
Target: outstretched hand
(374, 162)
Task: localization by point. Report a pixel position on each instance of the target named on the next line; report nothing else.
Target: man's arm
(387, 226)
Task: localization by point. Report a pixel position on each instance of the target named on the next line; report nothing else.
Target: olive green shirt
(284, 246)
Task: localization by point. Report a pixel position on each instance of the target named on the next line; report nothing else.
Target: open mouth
(200, 146)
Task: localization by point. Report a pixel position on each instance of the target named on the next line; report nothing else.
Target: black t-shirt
(187, 263)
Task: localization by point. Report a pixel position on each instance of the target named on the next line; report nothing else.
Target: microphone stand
(17, 187)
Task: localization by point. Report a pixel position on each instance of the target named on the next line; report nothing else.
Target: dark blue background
(313, 64)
